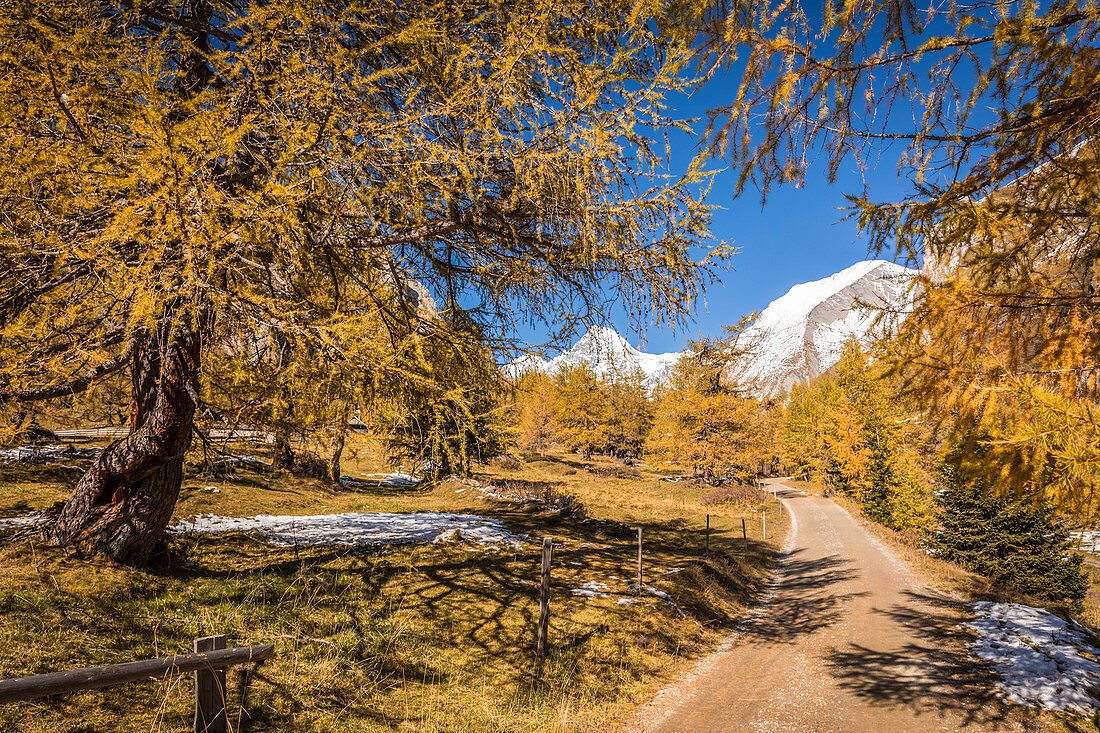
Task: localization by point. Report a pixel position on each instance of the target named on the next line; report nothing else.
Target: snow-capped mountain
(801, 334)
(605, 351)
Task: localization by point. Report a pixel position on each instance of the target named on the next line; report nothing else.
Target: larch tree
(182, 180)
(449, 411)
(534, 413)
(631, 410)
(991, 109)
(582, 409)
(704, 419)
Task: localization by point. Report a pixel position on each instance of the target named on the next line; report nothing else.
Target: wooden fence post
(639, 560)
(544, 596)
(210, 714)
(764, 522)
(744, 534)
(708, 536)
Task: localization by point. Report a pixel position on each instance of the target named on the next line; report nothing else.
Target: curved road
(846, 639)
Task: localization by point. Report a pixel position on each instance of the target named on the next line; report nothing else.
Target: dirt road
(847, 639)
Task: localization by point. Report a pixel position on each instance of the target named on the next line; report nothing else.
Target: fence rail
(210, 709)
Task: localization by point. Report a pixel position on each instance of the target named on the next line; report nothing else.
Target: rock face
(604, 350)
(801, 335)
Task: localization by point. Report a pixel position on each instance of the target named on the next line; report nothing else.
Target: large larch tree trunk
(122, 504)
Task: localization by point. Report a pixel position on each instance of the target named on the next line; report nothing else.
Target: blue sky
(797, 236)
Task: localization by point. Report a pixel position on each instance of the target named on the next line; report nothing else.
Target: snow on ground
(1087, 539)
(27, 520)
(243, 461)
(592, 589)
(1041, 660)
(392, 480)
(360, 529)
(46, 453)
(596, 589)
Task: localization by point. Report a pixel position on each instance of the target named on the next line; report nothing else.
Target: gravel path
(846, 639)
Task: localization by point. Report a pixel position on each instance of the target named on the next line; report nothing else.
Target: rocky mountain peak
(801, 334)
(604, 351)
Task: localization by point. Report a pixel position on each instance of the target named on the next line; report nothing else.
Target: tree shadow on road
(934, 674)
(808, 599)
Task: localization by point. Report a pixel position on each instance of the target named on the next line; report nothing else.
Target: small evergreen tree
(1016, 544)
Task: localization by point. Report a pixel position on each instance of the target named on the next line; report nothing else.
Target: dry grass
(421, 638)
(735, 494)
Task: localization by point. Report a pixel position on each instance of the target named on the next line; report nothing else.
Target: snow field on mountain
(797, 337)
(801, 334)
(604, 351)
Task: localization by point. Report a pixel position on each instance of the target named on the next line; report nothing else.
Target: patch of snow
(376, 528)
(242, 461)
(592, 589)
(46, 453)
(396, 480)
(1087, 539)
(1041, 660)
(27, 520)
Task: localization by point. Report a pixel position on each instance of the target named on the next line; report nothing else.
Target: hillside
(800, 335)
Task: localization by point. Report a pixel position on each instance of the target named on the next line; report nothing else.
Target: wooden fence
(209, 663)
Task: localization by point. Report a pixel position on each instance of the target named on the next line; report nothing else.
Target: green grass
(422, 638)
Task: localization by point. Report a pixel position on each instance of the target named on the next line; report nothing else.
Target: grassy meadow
(435, 637)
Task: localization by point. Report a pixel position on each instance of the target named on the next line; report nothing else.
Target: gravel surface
(846, 638)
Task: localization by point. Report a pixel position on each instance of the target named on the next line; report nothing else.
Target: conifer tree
(631, 411)
(805, 422)
(705, 422)
(1017, 544)
(535, 411)
(179, 175)
(845, 427)
(448, 414)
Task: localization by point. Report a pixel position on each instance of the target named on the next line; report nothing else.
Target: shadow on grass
(384, 617)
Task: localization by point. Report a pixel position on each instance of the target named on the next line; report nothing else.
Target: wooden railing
(209, 663)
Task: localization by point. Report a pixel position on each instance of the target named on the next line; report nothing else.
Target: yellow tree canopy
(292, 182)
(285, 166)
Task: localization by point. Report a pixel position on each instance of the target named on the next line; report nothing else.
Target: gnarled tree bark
(122, 504)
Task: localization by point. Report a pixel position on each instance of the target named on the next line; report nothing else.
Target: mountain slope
(604, 350)
(800, 335)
